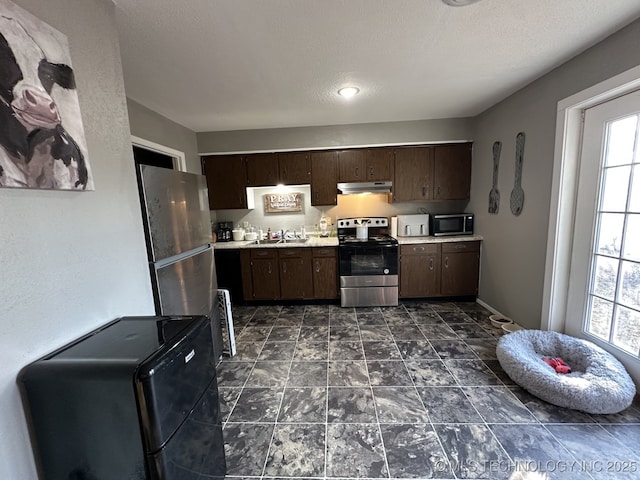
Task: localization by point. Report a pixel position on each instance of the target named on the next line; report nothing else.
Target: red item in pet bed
(557, 364)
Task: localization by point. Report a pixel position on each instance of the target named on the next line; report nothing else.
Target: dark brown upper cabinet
(452, 172)
(288, 168)
(420, 173)
(413, 178)
(432, 173)
(352, 165)
(379, 164)
(262, 170)
(324, 177)
(364, 164)
(295, 168)
(226, 181)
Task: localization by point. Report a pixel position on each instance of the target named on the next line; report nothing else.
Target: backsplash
(360, 205)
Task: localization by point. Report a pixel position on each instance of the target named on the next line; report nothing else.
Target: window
(572, 302)
(613, 311)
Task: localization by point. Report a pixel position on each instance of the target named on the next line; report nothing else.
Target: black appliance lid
(129, 338)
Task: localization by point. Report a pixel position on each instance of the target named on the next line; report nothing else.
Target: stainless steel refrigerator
(175, 211)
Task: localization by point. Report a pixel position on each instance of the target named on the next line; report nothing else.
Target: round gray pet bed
(598, 382)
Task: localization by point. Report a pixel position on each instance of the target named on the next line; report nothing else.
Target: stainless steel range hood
(364, 187)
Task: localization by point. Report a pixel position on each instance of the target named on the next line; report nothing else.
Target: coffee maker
(224, 231)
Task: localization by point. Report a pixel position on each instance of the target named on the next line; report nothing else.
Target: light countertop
(333, 242)
(311, 242)
(431, 239)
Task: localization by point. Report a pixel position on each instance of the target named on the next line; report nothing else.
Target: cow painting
(36, 150)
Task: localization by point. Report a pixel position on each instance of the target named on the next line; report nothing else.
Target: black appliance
(136, 399)
(368, 262)
(229, 271)
(452, 224)
(224, 232)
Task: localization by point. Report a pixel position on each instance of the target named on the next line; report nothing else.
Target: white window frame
(564, 187)
(585, 250)
(179, 162)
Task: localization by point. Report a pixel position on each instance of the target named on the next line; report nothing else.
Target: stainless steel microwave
(453, 224)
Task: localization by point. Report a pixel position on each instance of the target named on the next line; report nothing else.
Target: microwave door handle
(407, 230)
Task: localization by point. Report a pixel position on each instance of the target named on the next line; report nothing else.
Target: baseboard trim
(489, 307)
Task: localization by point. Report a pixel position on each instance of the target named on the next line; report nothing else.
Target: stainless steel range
(368, 262)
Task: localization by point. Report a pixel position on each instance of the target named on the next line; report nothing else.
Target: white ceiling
(214, 65)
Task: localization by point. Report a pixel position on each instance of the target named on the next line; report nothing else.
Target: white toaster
(413, 225)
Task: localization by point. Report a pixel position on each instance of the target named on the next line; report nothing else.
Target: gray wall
(71, 261)
(366, 134)
(513, 260)
(152, 126)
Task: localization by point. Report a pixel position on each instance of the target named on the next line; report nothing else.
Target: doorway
(146, 152)
(142, 156)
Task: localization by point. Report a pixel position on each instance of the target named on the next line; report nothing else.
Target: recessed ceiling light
(459, 3)
(348, 92)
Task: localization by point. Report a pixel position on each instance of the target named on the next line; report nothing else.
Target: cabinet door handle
(431, 264)
(357, 171)
(371, 171)
(446, 262)
(418, 249)
(317, 267)
(269, 271)
(424, 191)
(284, 267)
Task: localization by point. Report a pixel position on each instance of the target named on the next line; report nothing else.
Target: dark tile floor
(413, 391)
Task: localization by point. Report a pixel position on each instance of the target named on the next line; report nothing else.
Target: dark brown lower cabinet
(420, 270)
(460, 268)
(295, 273)
(325, 272)
(260, 274)
(447, 269)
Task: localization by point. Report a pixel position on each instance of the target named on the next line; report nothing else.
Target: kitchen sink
(270, 241)
(273, 241)
(295, 240)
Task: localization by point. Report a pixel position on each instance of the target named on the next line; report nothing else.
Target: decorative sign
(283, 202)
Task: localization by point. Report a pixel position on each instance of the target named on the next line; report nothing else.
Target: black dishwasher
(229, 273)
(136, 399)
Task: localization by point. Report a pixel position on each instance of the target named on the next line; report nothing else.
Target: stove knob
(386, 271)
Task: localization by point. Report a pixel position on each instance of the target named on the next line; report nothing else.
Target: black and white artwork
(42, 142)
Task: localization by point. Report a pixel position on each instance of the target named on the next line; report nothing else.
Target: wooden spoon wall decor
(517, 194)
(494, 194)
